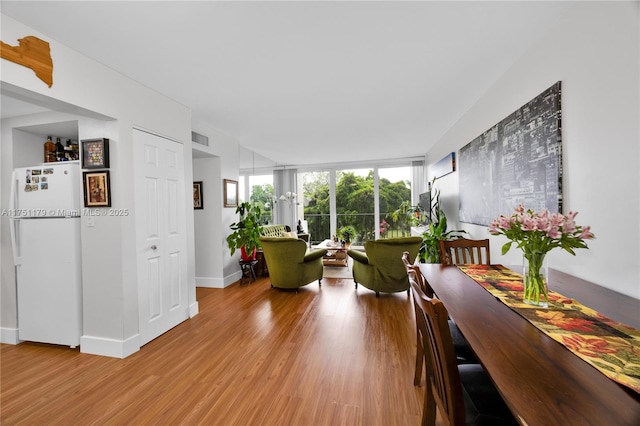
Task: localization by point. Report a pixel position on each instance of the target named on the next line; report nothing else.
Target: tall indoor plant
(246, 231)
(437, 230)
(537, 234)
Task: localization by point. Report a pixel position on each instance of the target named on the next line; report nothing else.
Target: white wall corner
(230, 279)
(110, 347)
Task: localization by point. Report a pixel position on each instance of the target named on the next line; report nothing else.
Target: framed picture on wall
(97, 189)
(230, 193)
(516, 161)
(197, 195)
(95, 153)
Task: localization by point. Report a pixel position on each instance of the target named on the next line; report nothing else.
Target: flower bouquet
(537, 234)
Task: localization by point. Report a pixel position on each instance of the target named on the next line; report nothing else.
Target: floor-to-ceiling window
(375, 201)
(355, 204)
(396, 210)
(259, 189)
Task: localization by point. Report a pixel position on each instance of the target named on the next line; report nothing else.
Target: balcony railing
(364, 223)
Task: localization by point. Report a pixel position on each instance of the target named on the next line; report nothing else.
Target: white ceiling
(307, 82)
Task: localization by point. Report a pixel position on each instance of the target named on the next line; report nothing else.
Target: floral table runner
(611, 347)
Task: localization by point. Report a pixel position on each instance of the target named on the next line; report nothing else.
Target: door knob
(153, 247)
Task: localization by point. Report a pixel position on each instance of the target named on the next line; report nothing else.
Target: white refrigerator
(45, 235)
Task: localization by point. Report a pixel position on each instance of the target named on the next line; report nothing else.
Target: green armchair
(290, 264)
(380, 267)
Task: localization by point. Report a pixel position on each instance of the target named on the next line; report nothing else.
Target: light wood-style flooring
(253, 356)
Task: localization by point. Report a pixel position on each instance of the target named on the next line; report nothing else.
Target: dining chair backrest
(444, 387)
(464, 251)
(414, 271)
(412, 274)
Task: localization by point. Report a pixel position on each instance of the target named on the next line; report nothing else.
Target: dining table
(541, 381)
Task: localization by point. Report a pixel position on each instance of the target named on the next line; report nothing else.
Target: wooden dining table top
(542, 382)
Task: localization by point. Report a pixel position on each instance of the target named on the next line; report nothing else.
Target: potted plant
(536, 234)
(246, 231)
(405, 216)
(347, 234)
(430, 247)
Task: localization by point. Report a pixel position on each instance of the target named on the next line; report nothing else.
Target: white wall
(82, 86)
(214, 265)
(594, 51)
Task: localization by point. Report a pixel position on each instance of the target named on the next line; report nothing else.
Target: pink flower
(556, 220)
(544, 224)
(586, 234)
(540, 232)
(554, 233)
(528, 224)
(569, 225)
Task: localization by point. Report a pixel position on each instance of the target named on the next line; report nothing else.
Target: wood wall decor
(33, 53)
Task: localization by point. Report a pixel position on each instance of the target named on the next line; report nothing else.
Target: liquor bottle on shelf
(69, 152)
(76, 149)
(49, 151)
(59, 150)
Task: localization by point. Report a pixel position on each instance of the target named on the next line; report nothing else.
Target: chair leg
(429, 413)
(356, 284)
(377, 294)
(320, 283)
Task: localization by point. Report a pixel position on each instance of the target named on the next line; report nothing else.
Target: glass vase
(535, 277)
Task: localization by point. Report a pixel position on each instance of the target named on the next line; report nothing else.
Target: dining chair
(465, 251)
(464, 394)
(413, 270)
(464, 353)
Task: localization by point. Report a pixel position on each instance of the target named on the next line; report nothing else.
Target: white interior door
(160, 234)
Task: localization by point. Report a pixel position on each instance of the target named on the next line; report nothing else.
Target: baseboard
(9, 336)
(209, 282)
(218, 282)
(193, 309)
(109, 347)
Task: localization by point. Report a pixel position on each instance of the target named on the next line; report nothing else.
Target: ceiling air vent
(199, 139)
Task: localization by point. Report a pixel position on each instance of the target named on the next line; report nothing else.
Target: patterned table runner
(611, 347)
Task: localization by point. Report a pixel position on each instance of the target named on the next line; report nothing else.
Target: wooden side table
(336, 254)
(248, 270)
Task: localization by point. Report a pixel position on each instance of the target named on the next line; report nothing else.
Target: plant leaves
(506, 247)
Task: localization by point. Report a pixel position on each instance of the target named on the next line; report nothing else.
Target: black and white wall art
(519, 160)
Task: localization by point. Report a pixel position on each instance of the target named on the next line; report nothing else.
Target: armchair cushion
(381, 268)
(290, 264)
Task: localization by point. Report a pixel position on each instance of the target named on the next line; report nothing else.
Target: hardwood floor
(252, 356)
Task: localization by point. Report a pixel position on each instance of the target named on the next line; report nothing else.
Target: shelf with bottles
(57, 152)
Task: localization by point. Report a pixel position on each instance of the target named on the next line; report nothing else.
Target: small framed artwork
(97, 189)
(95, 153)
(230, 193)
(444, 167)
(197, 195)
